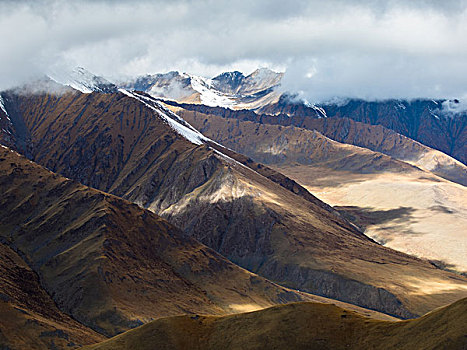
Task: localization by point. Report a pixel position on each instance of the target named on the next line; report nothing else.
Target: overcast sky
(355, 48)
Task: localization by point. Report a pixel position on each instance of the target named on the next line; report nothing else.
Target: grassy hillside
(299, 326)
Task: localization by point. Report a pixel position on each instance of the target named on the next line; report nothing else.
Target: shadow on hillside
(366, 216)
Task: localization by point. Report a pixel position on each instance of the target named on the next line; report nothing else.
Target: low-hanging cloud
(360, 48)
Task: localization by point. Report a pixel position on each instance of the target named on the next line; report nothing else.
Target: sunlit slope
(299, 326)
(373, 137)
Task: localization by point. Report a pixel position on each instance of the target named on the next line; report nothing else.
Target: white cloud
(368, 49)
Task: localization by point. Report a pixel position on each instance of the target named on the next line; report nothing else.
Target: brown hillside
(299, 326)
(399, 205)
(373, 137)
(29, 318)
(286, 145)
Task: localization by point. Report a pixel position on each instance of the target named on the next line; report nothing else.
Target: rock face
(286, 145)
(439, 124)
(251, 214)
(229, 82)
(109, 263)
(299, 326)
(433, 123)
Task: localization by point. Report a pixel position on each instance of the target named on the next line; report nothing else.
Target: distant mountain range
(231, 89)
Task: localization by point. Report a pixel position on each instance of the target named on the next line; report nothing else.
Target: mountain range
(175, 194)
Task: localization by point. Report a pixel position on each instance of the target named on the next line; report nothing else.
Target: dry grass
(299, 326)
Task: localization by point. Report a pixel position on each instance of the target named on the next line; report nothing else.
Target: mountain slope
(299, 326)
(426, 218)
(439, 124)
(111, 264)
(82, 80)
(129, 145)
(29, 318)
(426, 121)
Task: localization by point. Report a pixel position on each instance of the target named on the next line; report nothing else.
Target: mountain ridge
(298, 326)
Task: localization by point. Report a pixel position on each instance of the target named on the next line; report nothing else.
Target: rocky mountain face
(299, 326)
(13, 133)
(229, 82)
(108, 263)
(129, 145)
(429, 122)
(281, 145)
(437, 124)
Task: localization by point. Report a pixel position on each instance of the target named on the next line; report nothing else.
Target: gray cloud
(362, 48)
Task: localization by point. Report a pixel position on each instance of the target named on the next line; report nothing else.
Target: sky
(328, 49)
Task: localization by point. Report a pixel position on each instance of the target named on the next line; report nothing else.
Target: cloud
(361, 48)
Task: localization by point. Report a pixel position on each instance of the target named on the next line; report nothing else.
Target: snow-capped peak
(210, 96)
(228, 90)
(264, 77)
(82, 80)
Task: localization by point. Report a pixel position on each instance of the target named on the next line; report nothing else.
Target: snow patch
(400, 105)
(320, 109)
(454, 107)
(180, 125)
(187, 131)
(208, 95)
(434, 115)
(2, 107)
(80, 79)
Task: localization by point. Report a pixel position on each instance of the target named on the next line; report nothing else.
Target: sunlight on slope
(436, 226)
(433, 286)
